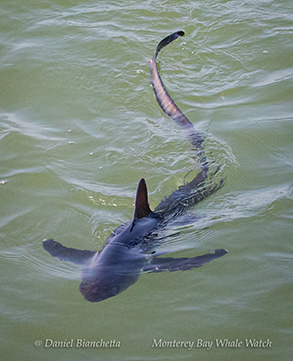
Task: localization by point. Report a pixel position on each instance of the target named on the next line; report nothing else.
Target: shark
(130, 250)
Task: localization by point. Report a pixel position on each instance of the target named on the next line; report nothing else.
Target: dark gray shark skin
(130, 249)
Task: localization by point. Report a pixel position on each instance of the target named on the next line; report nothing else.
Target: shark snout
(94, 291)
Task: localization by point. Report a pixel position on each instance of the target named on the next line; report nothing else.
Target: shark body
(129, 250)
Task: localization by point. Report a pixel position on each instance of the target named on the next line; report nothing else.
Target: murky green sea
(79, 126)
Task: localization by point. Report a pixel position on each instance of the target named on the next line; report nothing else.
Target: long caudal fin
(163, 98)
(167, 103)
(198, 189)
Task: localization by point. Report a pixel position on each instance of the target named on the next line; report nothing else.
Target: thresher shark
(129, 250)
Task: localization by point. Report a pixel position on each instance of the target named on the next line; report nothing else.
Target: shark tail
(163, 97)
(199, 188)
(168, 105)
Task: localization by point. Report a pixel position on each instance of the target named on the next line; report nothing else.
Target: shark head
(105, 285)
(121, 261)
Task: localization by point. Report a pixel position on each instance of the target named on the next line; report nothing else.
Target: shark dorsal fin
(142, 208)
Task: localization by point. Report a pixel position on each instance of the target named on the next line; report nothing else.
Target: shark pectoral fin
(182, 264)
(67, 254)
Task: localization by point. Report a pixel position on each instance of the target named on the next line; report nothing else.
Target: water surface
(79, 127)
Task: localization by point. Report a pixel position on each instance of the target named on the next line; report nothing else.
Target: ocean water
(79, 126)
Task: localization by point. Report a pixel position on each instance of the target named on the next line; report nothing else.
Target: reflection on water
(79, 127)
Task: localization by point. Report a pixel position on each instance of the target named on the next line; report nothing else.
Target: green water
(79, 127)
